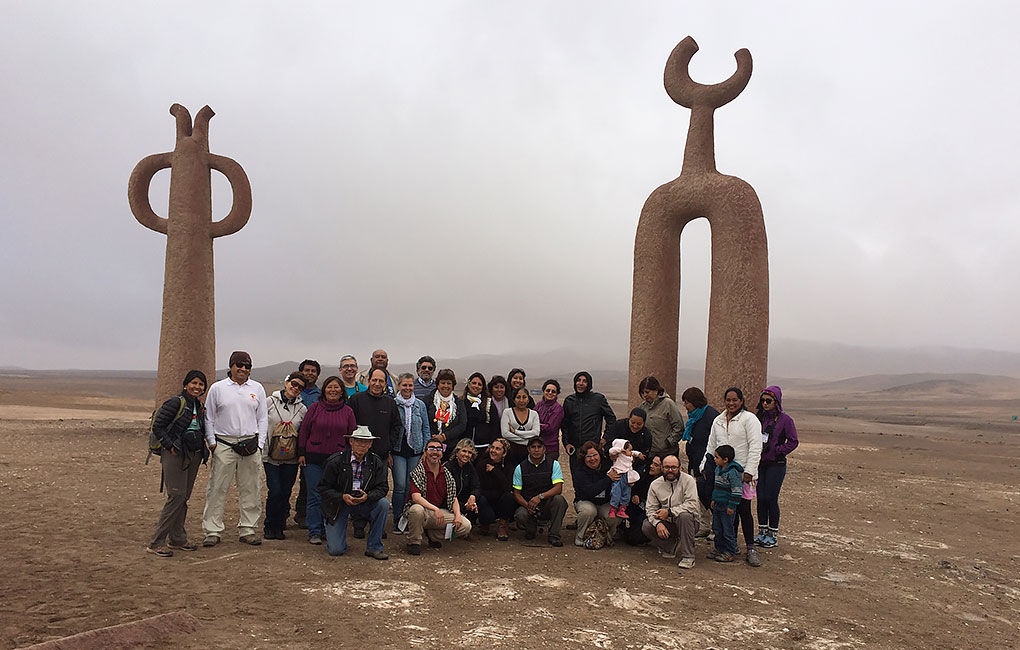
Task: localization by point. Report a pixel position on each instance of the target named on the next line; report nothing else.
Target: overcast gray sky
(462, 177)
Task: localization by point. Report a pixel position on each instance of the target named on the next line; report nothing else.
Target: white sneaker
(686, 563)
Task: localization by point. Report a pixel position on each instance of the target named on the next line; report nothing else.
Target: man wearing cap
(424, 383)
(380, 360)
(432, 502)
(538, 490)
(236, 426)
(354, 483)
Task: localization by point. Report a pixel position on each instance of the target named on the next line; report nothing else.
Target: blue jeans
(313, 513)
(770, 481)
(725, 533)
(279, 485)
(401, 482)
(336, 532)
(620, 493)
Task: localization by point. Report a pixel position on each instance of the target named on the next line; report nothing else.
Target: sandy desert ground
(899, 531)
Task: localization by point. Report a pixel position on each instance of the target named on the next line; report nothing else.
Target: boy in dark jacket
(354, 483)
(729, 485)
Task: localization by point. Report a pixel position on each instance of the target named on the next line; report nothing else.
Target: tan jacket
(677, 496)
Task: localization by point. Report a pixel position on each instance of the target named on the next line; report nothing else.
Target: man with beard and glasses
(672, 509)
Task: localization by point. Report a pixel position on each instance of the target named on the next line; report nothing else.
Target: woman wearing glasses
(284, 406)
(779, 438)
(592, 484)
(550, 415)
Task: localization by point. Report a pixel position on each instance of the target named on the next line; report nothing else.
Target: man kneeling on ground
(538, 488)
(673, 510)
(354, 483)
(432, 504)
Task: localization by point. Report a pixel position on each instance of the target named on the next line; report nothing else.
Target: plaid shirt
(357, 473)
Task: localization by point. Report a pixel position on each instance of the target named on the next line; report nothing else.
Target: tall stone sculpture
(187, 338)
(738, 319)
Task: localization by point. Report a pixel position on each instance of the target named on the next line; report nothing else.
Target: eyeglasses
(433, 449)
(296, 384)
(767, 400)
(671, 467)
(426, 368)
(349, 365)
(243, 364)
(592, 456)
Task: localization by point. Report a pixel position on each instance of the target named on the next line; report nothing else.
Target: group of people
(480, 461)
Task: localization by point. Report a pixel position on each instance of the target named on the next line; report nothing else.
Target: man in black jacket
(354, 483)
(583, 413)
(379, 412)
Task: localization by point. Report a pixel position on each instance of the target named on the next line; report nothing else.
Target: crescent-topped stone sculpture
(187, 338)
(738, 319)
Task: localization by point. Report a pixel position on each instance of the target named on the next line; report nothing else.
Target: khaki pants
(681, 534)
(226, 464)
(420, 520)
(587, 512)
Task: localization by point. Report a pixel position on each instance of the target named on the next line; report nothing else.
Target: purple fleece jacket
(784, 434)
(550, 415)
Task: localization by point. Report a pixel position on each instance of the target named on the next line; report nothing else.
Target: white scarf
(450, 403)
(408, 405)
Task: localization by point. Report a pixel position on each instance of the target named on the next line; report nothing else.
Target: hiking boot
(752, 557)
(210, 541)
(359, 530)
(554, 540)
(713, 554)
(686, 563)
(250, 540)
(759, 539)
(315, 540)
(723, 557)
(378, 555)
(435, 544)
(414, 549)
(159, 551)
(768, 542)
(183, 547)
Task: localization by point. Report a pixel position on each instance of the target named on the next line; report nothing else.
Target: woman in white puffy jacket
(740, 429)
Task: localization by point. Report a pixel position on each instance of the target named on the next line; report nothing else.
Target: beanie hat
(240, 356)
(192, 374)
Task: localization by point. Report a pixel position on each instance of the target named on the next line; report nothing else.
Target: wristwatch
(541, 497)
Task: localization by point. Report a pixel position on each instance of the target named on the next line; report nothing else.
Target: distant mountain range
(788, 359)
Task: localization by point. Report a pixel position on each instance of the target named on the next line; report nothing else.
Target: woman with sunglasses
(779, 438)
(550, 415)
(285, 406)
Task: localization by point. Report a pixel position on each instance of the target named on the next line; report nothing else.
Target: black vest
(536, 479)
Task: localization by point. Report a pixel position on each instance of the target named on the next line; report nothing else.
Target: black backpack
(155, 444)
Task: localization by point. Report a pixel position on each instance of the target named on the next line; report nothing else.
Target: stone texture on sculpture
(187, 337)
(738, 320)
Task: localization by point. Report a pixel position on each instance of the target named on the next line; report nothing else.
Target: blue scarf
(693, 417)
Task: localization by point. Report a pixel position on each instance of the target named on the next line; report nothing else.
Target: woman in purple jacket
(550, 414)
(779, 438)
(324, 431)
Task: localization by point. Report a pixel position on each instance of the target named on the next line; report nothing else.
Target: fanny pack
(245, 447)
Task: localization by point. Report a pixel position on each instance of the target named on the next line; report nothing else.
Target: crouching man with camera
(354, 483)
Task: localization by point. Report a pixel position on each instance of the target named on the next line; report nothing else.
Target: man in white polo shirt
(236, 425)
